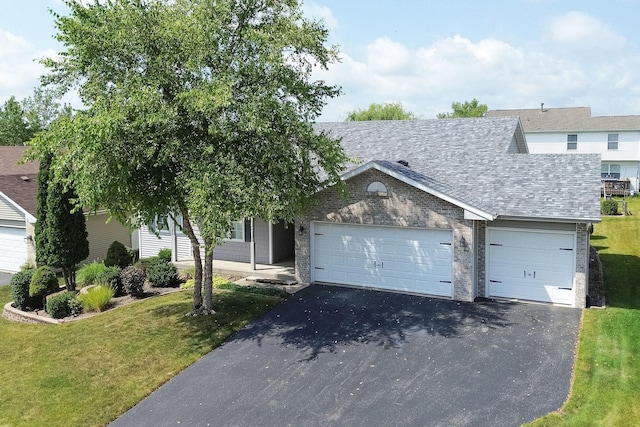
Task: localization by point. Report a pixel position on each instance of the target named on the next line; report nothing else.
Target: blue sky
(426, 54)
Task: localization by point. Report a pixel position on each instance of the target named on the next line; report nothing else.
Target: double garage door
(531, 265)
(13, 248)
(405, 259)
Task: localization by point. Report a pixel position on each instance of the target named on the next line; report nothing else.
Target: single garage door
(531, 265)
(13, 248)
(404, 259)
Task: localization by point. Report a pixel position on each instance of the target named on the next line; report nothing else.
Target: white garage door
(13, 248)
(405, 259)
(531, 265)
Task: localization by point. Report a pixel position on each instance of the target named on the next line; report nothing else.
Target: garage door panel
(396, 258)
(13, 248)
(537, 266)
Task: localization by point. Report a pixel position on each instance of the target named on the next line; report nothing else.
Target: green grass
(88, 372)
(606, 384)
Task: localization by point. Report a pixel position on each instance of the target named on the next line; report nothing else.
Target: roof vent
(542, 107)
(24, 178)
(403, 163)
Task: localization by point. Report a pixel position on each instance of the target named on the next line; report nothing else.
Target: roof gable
(19, 182)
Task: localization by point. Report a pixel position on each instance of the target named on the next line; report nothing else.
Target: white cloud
(315, 11)
(19, 66)
(579, 30)
(428, 79)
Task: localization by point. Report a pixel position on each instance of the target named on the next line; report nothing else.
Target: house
(455, 208)
(575, 130)
(273, 241)
(18, 191)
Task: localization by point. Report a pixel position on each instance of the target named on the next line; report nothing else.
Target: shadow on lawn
(320, 319)
(621, 280)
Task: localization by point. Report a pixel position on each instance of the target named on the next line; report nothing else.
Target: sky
(426, 54)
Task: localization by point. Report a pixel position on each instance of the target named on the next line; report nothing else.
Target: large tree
(197, 107)
(387, 111)
(14, 129)
(471, 108)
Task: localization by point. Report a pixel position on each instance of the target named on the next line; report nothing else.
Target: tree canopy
(20, 121)
(471, 108)
(202, 108)
(387, 111)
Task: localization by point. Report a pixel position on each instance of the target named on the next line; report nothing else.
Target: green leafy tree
(42, 108)
(197, 107)
(471, 108)
(13, 127)
(388, 111)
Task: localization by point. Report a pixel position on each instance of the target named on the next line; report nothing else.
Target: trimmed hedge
(63, 305)
(162, 274)
(110, 276)
(133, 280)
(43, 283)
(118, 255)
(165, 254)
(19, 285)
(609, 207)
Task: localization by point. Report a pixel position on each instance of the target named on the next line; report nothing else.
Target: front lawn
(606, 387)
(89, 372)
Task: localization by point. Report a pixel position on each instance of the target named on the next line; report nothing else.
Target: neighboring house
(454, 208)
(18, 191)
(574, 130)
(273, 242)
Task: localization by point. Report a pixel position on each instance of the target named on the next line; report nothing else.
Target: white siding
(8, 212)
(103, 234)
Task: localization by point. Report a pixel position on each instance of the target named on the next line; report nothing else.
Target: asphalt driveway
(5, 278)
(346, 357)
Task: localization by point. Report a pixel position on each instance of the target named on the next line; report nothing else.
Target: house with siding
(18, 191)
(575, 130)
(273, 241)
(457, 209)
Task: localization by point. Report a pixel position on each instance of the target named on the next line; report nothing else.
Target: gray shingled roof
(477, 162)
(568, 120)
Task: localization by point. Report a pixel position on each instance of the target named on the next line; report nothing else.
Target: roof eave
(28, 217)
(549, 219)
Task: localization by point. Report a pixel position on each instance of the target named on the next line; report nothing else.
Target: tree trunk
(195, 248)
(69, 278)
(207, 307)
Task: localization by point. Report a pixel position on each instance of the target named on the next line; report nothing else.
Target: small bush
(145, 263)
(19, 285)
(133, 280)
(609, 207)
(43, 283)
(96, 298)
(162, 274)
(88, 274)
(118, 255)
(63, 305)
(165, 254)
(186, 274)
(188, 284)
(111, 277)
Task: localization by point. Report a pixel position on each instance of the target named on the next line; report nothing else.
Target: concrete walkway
(332, 356)
(282, 271)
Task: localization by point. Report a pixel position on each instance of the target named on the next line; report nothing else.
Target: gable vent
(403, 163)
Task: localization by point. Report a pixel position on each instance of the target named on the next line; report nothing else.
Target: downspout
(270, 243)
(174, 241)
(252, 248)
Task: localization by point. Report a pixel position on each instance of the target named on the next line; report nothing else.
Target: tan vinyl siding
(103, 234)
(9, 212)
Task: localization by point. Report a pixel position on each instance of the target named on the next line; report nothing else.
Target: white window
(612, 141)
(572, 142)
(161, 224)
(237, 231)
(610, 170)
(377, 188)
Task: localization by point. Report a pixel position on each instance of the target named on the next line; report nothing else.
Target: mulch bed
(596, 283)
